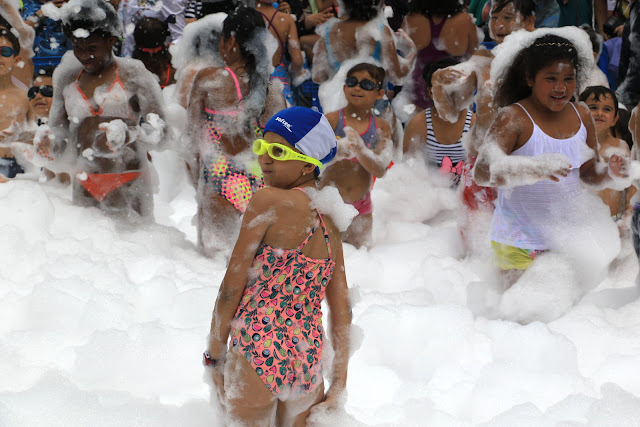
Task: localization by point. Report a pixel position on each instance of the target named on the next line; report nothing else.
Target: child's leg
(295, 412)
(248, 402)
(359, 232)
(218, 222)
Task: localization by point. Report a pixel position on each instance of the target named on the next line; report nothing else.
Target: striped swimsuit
(448, 157)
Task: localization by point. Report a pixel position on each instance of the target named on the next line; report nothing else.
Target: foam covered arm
(255, 223)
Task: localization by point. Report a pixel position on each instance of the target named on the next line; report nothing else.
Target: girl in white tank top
(538, 173)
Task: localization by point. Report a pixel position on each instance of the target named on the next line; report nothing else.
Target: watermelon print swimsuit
(278, 324)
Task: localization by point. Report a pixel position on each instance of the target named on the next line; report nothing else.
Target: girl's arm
(414, 135)
(293, 46)
(396, 66)
(495, 168)
(339, 321)
(454, 87)
(257, 219)
(195, 124)
(375, 162)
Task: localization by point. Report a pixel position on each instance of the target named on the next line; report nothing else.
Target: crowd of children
(515, 131)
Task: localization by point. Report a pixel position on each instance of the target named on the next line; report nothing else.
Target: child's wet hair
(526, 8)
(545, 50)
(432, 67)
(12, 39)
(242, 24)
(596, 41)
(361, 10)
(435, 7)
(374, 71)
(150, 36)
(599, 92)
(246, 25)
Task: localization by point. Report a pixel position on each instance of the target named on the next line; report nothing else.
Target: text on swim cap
(284, 123)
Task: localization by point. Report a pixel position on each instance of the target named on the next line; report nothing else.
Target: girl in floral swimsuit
(287, 258)
(225, 108)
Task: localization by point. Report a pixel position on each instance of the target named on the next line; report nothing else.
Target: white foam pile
(104, 324)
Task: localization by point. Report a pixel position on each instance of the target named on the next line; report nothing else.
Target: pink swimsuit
(278, 324)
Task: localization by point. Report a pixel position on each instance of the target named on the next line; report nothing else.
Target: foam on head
(95, 16)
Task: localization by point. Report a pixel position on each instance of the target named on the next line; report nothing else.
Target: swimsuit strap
(376, 52)
(168, 76)
(526, 112)
(320, 222)
(235, 80)
(467, 122)
(84, 96)
(270, 23)
(332, 59)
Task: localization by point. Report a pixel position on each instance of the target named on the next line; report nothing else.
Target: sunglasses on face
(365, 84)
(281, 152)
(6, 51)
(45, 90)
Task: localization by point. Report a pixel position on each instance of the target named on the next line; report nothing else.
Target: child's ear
(529, 80)
(615, 119)
(308, 168)
(17, 60)
(529, 23)
(381, 93)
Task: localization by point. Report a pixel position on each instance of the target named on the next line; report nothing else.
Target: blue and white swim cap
(307, 130)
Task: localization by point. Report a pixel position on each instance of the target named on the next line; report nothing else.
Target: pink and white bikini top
(528, 216)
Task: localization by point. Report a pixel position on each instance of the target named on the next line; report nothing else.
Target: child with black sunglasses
(364, 150)
(15, 107)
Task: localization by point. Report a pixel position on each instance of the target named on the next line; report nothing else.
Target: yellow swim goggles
(281, 152)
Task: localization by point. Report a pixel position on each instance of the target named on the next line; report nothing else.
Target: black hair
(361, 10)
(596, 41)
(435, 7)
(12, 39)
(43, 72)
(599, 92)
(513, 85)
(150, 36)
(85, 15)
(526, 8)
(246, 25)
(374, 71)
(433, 66)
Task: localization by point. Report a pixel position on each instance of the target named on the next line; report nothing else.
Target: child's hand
(11, 133)
(447, 76)
(554, 166)
(618, 166)
(42, 142)
(116, 133)
(404, 42)
(348, 146)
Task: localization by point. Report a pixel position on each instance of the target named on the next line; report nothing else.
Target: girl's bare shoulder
(333, 117)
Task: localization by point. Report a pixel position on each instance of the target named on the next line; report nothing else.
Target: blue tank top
(369, 137)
